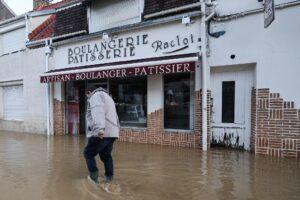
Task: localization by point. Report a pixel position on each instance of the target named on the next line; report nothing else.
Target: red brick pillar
(59, 117)
(198, 120)
(155, 127)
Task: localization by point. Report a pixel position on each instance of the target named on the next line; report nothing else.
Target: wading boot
(93, 177)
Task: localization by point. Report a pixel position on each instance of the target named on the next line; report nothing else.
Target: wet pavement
(36, 167)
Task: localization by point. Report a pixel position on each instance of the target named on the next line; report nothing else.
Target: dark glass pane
(130, 96)
(228, 95)
(177, 101)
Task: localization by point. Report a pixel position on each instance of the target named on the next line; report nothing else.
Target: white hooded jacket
(101, 115)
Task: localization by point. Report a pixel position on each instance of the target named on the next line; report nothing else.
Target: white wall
(12, 41)
(12, 37)
(227, 7)
(274, 50)
(113, 13)
(26, 66)
(1, 103)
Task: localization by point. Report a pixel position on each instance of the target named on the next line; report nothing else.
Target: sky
(21, 6)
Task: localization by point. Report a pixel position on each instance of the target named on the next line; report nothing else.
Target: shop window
(179, 101)
(228, 94)
(130, 96)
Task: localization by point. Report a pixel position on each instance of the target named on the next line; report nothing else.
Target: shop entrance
(76, 105)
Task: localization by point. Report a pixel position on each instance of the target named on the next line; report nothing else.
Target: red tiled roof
(71, 20)
(52, 6)
(45, 30)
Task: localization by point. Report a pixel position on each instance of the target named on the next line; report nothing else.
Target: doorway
(76, 105)
(231, 113)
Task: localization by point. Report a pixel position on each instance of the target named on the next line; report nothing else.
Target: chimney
(39, 3)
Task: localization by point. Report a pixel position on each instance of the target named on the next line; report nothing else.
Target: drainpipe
(204, 75)
(26, 26)
(205, 67)
(48, 52)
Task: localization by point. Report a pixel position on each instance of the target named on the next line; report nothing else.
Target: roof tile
(45, 30)
(51, 6)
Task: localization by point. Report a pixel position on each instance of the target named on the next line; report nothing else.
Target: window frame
(191, 102)
(132, 79)
(230, 120)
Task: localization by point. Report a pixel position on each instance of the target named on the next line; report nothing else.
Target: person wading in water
(102, 130)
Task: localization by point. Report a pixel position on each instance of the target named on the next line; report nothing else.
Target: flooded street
(34, 167)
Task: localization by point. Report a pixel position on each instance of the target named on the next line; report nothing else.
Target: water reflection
(41, 167)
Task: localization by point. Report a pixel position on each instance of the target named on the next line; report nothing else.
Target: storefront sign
(269, 13)
(157, 41)
(186, 67)
(125, 48)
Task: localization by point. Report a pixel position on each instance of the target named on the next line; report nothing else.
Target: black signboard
(269, 12)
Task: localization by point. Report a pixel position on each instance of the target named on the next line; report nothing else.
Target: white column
(51, 107)
(155, 94)
(58, 91)
(1, 103)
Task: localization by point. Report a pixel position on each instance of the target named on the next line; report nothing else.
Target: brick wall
(275, 126)
(59, 117)
(155, 133)
(209, 117)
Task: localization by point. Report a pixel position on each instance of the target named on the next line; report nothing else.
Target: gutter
(15, 19)
(165, 12)
(254, 11)
(44, 41)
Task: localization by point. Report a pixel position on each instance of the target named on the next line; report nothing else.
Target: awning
(182, 65)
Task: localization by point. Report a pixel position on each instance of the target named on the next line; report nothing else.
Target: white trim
(11, 83)
(13, 29)
(172, 10)
(133, 128)
(168, 130)
(10, 21)
(229, 125)
(70, 6)
(190, 59)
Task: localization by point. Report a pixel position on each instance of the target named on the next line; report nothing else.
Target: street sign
(269, 12)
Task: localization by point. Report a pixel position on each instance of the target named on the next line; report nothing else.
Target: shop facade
(155, 60)
(154, 79)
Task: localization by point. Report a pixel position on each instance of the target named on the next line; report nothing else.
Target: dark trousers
(103, 147)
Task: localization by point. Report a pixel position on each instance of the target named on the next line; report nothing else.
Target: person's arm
(98, 113)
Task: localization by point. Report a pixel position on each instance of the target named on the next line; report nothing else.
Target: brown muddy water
(34, 167)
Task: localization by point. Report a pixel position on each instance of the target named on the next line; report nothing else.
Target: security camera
(210, 4)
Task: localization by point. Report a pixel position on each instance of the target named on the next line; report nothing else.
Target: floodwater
(36, 167)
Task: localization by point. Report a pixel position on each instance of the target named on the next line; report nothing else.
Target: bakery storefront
(152, 73)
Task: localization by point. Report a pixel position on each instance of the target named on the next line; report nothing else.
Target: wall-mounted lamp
(105, 36)
(186, 20)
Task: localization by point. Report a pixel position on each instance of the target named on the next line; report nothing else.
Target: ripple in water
(52, 168)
